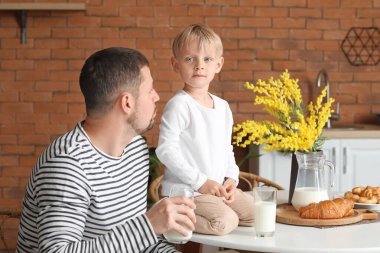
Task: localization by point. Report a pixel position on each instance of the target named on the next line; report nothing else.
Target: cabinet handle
(334, 156)
(344, 160)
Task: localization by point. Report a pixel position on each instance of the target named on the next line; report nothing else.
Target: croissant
(328, 209)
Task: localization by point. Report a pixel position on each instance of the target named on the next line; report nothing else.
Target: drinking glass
(265, 210)
(176, 191)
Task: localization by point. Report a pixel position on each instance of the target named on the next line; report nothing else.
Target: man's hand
(213, 188)
(176, 213)
(230, 185)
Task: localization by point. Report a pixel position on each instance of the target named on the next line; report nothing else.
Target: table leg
(189, 247)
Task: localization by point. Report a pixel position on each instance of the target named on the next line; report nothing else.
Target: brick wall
(39, 91)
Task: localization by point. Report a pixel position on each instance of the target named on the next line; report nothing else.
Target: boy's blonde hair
(204, 34)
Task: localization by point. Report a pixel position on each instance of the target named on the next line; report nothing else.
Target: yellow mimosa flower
(295, 129)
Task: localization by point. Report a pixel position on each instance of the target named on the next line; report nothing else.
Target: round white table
(288, 238)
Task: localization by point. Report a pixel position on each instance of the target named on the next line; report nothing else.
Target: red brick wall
(39, 91)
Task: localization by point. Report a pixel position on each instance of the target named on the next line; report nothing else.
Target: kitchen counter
(353, 131)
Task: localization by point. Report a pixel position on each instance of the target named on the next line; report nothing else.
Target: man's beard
(132, 121)
(150, 126)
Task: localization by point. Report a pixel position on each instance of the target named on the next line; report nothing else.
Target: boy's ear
(220, 64)
(174, 64)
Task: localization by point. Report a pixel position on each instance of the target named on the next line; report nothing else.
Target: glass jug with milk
(311, 179)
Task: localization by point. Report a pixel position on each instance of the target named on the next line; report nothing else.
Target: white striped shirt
(80, 199)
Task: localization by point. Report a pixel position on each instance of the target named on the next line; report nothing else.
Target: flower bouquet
(295, 127)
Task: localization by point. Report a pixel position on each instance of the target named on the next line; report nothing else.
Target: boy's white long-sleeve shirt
(195, 142)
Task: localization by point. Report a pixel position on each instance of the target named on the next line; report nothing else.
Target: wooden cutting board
(287, 214)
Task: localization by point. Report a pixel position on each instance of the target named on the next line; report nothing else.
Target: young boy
(195, 136)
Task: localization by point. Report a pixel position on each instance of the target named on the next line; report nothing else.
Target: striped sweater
(80, 199)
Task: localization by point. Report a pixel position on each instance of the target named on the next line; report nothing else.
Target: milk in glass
(265, 218)
(172, 235)
(265, 210)
(175, 237)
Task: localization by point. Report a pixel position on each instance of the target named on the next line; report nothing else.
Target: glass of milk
(176, 191)
(265, 210)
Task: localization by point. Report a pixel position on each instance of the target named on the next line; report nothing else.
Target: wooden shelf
(42, 6)
(23, 8)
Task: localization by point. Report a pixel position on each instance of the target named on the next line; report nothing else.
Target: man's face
(145, 111)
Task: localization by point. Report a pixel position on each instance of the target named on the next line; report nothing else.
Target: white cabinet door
(275, 166)
(360, 163)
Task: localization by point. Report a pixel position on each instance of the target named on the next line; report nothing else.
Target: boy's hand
(230, 186)
(213, 188)
(176, 213)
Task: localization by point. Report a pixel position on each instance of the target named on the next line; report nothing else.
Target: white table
(288, 238)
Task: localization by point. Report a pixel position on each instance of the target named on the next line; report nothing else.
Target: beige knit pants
(217, 218)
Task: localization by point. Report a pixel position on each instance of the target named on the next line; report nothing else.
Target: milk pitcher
(311, 179)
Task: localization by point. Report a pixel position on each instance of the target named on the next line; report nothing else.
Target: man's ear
(220, 64)
(127, 102)
(174, 64)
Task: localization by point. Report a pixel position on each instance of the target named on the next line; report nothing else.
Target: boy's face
(197, 66)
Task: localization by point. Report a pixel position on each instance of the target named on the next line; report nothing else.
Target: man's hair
(204, 34)
(107, 73)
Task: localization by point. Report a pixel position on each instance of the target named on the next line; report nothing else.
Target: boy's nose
(199, 66)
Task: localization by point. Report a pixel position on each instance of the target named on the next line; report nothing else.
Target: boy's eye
(189, 59)
(208, 59)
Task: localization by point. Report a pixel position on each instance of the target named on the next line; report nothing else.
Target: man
(87, 191)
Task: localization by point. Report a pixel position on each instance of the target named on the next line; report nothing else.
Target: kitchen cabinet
(275, 166)
(357, 163)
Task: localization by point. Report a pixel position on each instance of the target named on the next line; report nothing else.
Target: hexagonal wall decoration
(361, 46)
